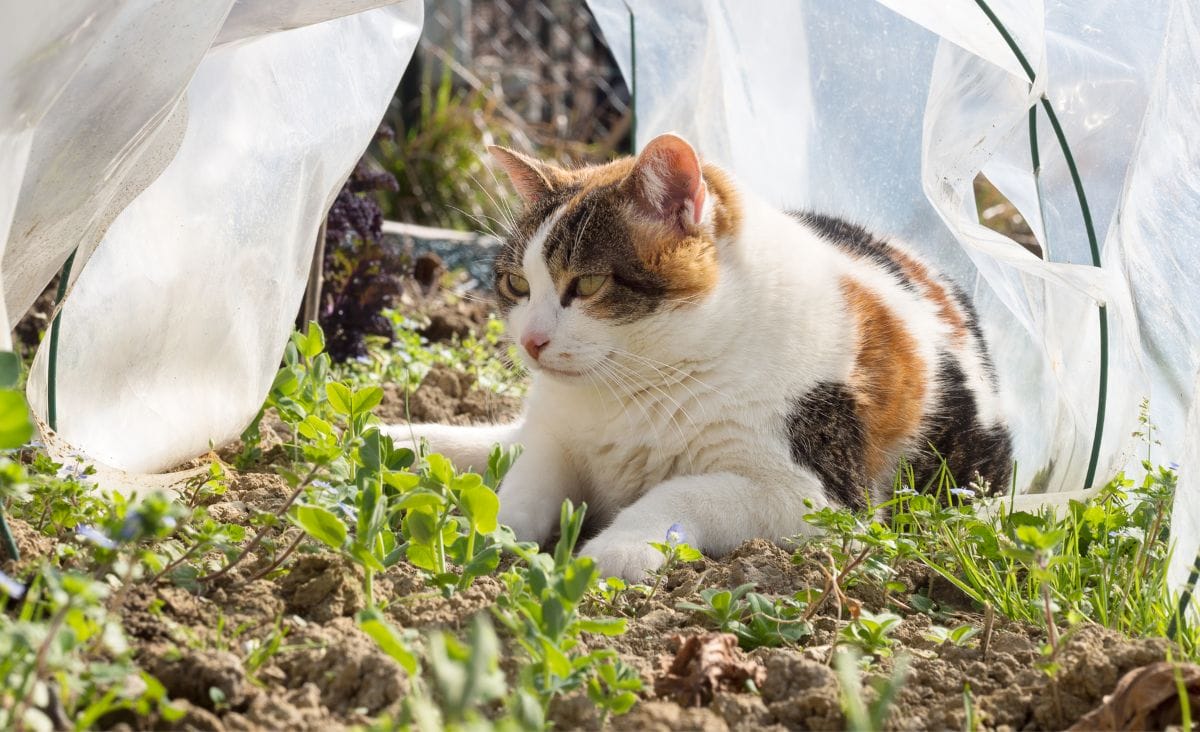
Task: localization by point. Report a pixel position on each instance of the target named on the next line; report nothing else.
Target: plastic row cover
(884, 112)
(192, 177)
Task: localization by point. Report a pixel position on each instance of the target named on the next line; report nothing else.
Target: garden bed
(823, 635)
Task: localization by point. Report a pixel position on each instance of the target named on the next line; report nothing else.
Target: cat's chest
(631, 445)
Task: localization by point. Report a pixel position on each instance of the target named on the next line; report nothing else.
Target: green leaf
(314, 428)
(15, 426)
(340, 397)
(421, 556)
(481, 507)
(10, 370)
(370, 453)
(420, 525)
(440, 468)
(375, 625)
(365, 400)
(578, 577)
(322, 525)
(603, 626)
(483, 563)
(419, 498)
(402, 482)
(556, 660)
(313, 343)
(363, 556)
(286, 382)
(687, 553)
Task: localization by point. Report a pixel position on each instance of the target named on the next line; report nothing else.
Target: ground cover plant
(320, 574)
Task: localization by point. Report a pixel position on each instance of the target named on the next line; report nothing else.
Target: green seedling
(757, 620)
(870, 633)
(540, 607)
(961, 635)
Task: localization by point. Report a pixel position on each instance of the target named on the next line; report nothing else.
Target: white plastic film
(208, 192)
(887, 113)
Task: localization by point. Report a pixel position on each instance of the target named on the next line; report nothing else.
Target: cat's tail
(468, 447)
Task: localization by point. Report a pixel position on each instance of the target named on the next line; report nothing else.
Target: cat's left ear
(668, 183)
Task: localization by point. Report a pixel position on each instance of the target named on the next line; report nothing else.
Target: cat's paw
(629, 557)
(529, 522)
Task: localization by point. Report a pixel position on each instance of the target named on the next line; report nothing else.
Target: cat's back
(920, 387)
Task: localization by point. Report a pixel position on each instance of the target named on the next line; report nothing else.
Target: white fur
(680, 417)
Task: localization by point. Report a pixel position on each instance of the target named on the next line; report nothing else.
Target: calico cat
(701, 358)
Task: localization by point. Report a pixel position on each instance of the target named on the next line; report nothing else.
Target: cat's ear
(533, 179)
(667, 182)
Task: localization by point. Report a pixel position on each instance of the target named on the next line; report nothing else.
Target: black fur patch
(854, 240)
(972, 321)
(954, 430)
(826, 436)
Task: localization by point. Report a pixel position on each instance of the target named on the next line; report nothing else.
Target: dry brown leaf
(1145, 698)
(703, 665)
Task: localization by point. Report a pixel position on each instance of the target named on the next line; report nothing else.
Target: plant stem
(262, 533)
(277, 561)
(39, 664)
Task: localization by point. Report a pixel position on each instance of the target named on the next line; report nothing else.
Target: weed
(870, 633)
(541, 609)
(756, 620)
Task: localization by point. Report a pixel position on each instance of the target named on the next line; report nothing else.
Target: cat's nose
(534, 342)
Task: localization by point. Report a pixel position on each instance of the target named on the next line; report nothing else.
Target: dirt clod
(203, 677)
(1146, 698)
(322, 587)
(344, 665)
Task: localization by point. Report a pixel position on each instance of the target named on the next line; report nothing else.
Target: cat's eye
(516, 284)
(589, 285)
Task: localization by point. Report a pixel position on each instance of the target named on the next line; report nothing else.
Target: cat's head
(605, 261)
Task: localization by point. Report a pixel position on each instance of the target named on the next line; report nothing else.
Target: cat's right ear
(533, 179)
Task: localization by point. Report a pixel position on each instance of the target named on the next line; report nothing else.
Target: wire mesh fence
(533, 74)
(542, 63)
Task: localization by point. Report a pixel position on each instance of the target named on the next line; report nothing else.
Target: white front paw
(528, 520)
(629, 557)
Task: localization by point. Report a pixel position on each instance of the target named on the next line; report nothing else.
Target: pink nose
(534, 342)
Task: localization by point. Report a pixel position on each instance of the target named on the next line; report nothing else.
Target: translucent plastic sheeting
(89, 96)
(208, 191)
(884, 112)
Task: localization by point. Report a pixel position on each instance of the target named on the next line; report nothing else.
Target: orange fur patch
(727, 213)
(687, 263)
(948, 310)
(888, 379)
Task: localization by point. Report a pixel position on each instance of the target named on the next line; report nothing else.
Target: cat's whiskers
(607, 376)
(481, 223)
(683, 372)
(505, 209)
(629, 378)
(669, 382)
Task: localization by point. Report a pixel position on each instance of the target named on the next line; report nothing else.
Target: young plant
(870, 633)
(540, 607)
(675, 551)
(756, 620)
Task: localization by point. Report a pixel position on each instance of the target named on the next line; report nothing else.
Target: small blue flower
(675, 534)
(1173, 465)
(14, 589)
(962, 492)
(91, 535)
